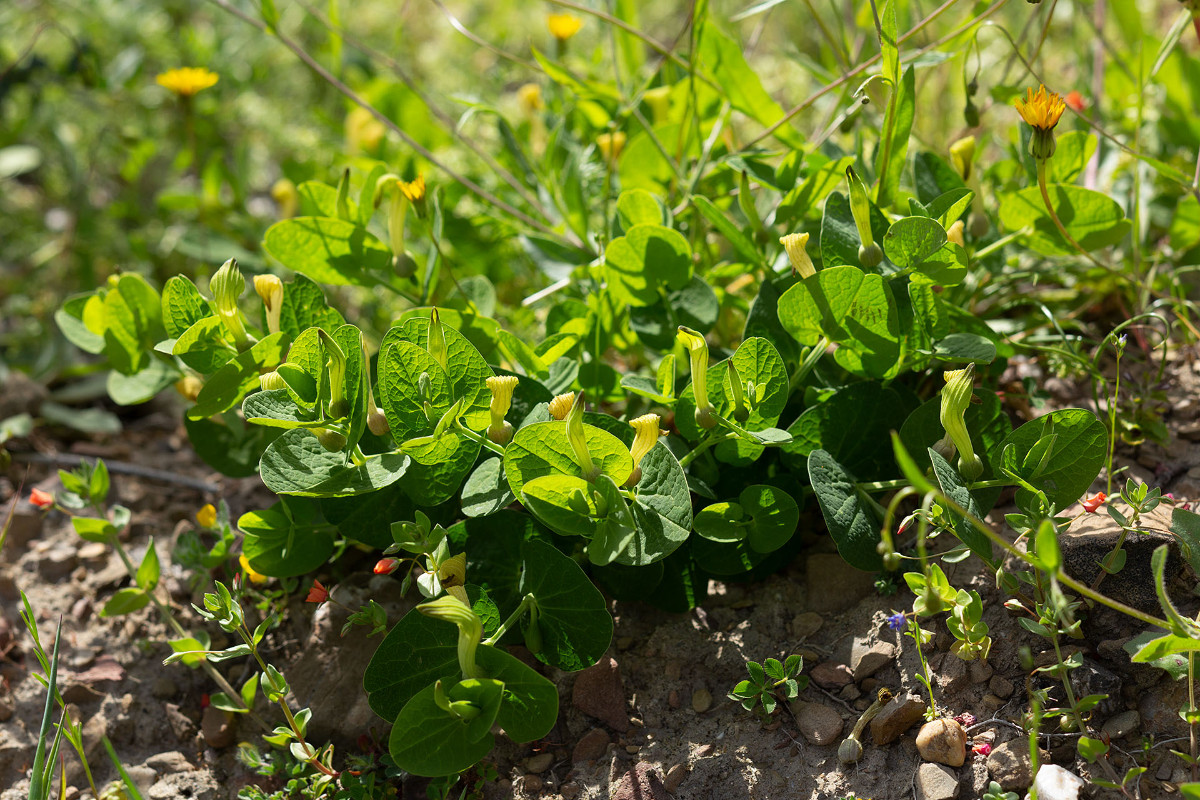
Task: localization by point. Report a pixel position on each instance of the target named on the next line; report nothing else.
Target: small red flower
(386, 566)
(983, 748)
(1076, 101)
(1093, 503)
(41, 499)
(204, 701)
(317, 594)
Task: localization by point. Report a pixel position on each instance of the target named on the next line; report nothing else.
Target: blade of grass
(130, 786)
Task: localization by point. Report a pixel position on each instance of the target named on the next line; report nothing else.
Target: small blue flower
(897, 621)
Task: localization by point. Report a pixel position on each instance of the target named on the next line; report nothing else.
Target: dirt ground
(650, 721)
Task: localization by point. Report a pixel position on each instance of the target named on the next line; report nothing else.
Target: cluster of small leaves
(770, 683)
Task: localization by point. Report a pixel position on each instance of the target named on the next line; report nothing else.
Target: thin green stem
(1112, 421)
(475, 437)
(705, 444)
(527, 602)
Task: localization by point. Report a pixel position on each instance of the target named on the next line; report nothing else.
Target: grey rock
(867, 659)
(57, 564)
(1093, 537)
(143, 777)
(1001, 686)
(944, 741)
(169, 763)
(1121, 725)
(1010, 766)
(952, 674)
(936, 782)
(834, 585)
(818, 723)
(539, 763)
(183, 727)
(895, 718)
(600, 693)
(196, 785)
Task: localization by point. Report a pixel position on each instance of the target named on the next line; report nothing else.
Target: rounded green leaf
(1093, 219)
(564, 503)
(296, 463)
(572, 614)
(328, 250)
(646, 259)
(849, 514)
(542, 449)
(911, 240)
(775, 516)
(427, 741)
(721, 522)
(401, 366)
(278, 545)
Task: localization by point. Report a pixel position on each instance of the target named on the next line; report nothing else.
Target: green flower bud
(331, 440)
(698, 353)
(270, 289)
(956, 397)
(437, 339)
(740, 412)
(577, 437)
(860, 208)
(869, 255)
(227, 285)
(271, 380)
(335, 366)
(453, 607)
(377, 422)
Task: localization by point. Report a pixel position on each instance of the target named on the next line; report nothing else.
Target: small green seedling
(769, 683)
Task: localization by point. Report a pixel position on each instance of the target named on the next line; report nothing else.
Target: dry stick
(479, 40)
(121, 468)
(354, 97)
(442, 116)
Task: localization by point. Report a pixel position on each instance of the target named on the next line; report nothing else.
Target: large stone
(935, 782)
(195, 785)
(217, 726)
(806, 624)
(896, 717)
(599, 692)
(944, 741)
(1121, 725)
(834, 585)
(1091, 538)
(868, 658)
(640, 782)
(1009, 765)
(818, 723)
(831, 675)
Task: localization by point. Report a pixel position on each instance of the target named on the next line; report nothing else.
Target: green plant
(769, 684)
(996, 792)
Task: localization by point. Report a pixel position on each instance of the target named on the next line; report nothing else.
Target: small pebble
(701, 700)
(539, 763)
(673, 699)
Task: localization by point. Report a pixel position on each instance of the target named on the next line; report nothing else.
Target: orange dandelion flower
(1075, 100)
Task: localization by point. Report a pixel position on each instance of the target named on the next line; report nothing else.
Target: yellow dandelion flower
(1042, 111)
(563, 26)
(530, 98)
(255, 577)
(414, 190)
(611, 145)
(207, 516)
(186, 81)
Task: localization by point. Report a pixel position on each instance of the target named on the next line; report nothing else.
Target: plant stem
(1192, 708)
(1062, 230)
(704, 445)
(475, 437)
(527, 602)
(1112, 420)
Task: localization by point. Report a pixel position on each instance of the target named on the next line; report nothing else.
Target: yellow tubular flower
(611, 145)
(560, 405)
(283, 192)
(271, 380)
(1042, 111)
(255, 577)
(189, 387)
(187, 81)
(363, 131)
(227, 285)
(563, 26)
(270, 289)
(956, 398)
(530, 98)
(452, 608)
(796, 245)
(962, 154)
(453, 571)
(955, 233)
(500, 430)
(646, 433)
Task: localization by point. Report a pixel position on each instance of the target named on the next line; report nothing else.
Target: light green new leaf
(1093, 219)
(329, 250)
(647, 259)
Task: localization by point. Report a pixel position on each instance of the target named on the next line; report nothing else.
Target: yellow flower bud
(270, 289)
(796, 245)
(560, 405)
(530, 98)
(414, 192)
(207, 516)
(500, 430)
(254, 577)
(955, 233)
(283, 192)
(271, 380)
(962, 154)
(189, 387)
(611, 145)
(659, 100)
(646, 433)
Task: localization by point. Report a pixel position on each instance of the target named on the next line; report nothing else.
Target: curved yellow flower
(254, 577)
(1041, 110)
(646, 433)
(563, 26)
(207, 516)
(187, 81)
